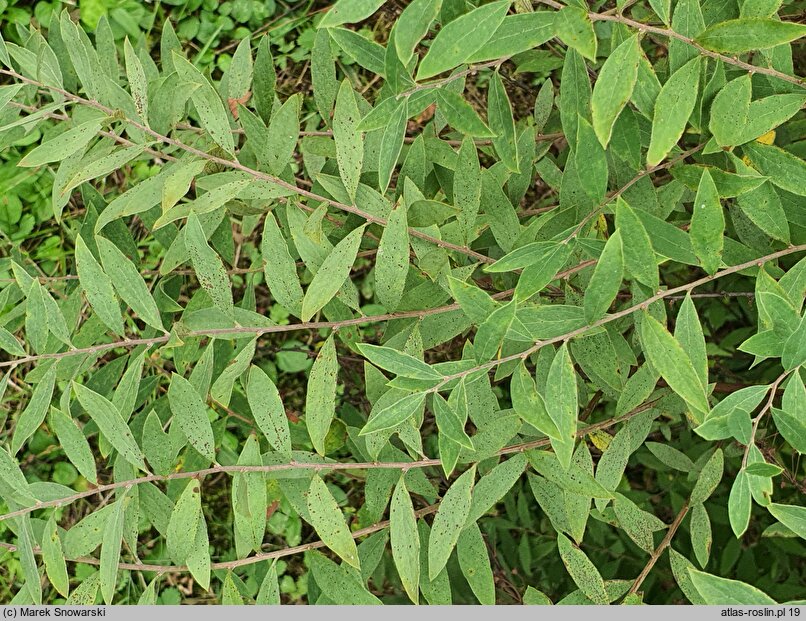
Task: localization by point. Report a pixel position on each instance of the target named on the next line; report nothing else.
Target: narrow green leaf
(502, 123)
(412, 26)
(575, 28)
(784, 169)
(328, 521)
(349, 12)
(63, 145)
(53, 555)
(184, 523)
(707, 225)
(98, 288)
(475, 564)
(128, 282)
(606, 280)
(398, 362)
(394, 414)
(349, 141)
(34, 413)
(461, 115)
(392, 260)
(562, 404)
(718, 591)
(191, 415)
(582, 571)
(450, 424)
(791, 516)
(320, 403)
(739, 504)
(110, 549)
(268, 411)
(331, 275)
(701, 533)
(671, 361)
(639, 257)
(207, 265)
(448, 522)
(283, 133)
(490, 334)
(673, 107)
(494, 485)
(279, 267)
(391, 144)
(737, 36)
(405, 540)
(74, 444)
(709, 478)
(614, 87)
(528, 403)
(688, 332)
(137, 80)
(208, 104)
(111, 424)
(461, 38)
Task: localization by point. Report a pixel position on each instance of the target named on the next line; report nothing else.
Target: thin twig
(659, 550)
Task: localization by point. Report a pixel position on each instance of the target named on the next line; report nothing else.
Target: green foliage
(477, 302)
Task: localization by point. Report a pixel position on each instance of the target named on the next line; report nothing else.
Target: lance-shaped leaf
(448, 522)
(53, 555)
(543, 270)
(494, 485)
(474, 561)
(221, 391)
(279, 267)
(449, 423)
(670, 359)
(614, 87)
(709, 478)
(128, 282)
(98, 288)
(582, 571)
(688, 332)
(268, 411)
(739, 504)
(707, 225)
(394, 414)
(208, 103)
(412, 26)
(606, 280)
(184, 523)
(111, 424)
(328, 521)
(207, 265)
(320, 403)
(575, 28)
(34, 413)
(283, 132)
(673, 107)
(562, 404)
(461, 115)
(736, 36)
(392, 260)
(490, 334)
(74, 444)
(639, 257)
(391, 143)
(467, 187)
(461, 38)
(405, 540)
(63, 145)
(331, 274)
(398, 362)
(191, 415)
(791, 516)
(14, 483)
(110, 548)
(349, 141)
(718, 591)
(785, 170)
(349, 12)
(528, 403)
(502, 123)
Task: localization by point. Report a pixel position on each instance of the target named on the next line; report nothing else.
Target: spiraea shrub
(472, 302)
